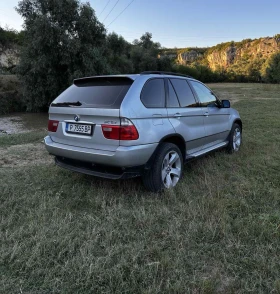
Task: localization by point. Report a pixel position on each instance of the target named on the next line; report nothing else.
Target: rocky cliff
(9, 57)
(226, 54)
(248, 49)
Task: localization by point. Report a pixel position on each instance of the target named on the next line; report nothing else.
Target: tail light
(125, 131)
(52, 125)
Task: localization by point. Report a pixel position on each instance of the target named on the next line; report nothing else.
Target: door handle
(177, 115)
(206, 114)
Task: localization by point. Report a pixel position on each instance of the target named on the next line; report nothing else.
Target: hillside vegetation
(248, 60)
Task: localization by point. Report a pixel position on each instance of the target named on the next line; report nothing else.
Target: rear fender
(177, 140)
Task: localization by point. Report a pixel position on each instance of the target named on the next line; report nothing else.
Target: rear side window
(184, 93)
(103, 92)
(153, 94)
(172, 97)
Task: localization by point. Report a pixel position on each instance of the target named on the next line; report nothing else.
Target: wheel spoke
(174, 157)
(176, 172)
(168, 181)
(165, 161)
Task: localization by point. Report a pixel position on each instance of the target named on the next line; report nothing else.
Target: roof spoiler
(103, 80)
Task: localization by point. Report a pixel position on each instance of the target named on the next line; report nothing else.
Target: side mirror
(225, 104)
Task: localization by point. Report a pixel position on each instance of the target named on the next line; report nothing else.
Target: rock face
(261, 48)
(189, 56)
(221, 58)
(9, 57)
(226, 54)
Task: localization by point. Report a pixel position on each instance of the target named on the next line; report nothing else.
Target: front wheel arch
(239, 122)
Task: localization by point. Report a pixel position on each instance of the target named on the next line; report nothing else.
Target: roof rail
(164, 73)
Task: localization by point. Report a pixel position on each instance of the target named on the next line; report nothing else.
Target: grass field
(218, 231)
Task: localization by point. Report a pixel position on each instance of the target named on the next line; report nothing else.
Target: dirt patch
(23, 122)
(11, 125)
(24, 155)
(265, 98)
(232, 101)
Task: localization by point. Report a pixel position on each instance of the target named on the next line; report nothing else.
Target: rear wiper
(78, 103)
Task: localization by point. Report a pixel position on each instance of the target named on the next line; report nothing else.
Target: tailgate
(91, 117)
(81, 109)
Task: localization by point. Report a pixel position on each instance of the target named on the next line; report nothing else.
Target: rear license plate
(79, 129)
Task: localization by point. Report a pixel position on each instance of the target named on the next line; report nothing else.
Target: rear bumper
(101, 171)
(122, 157)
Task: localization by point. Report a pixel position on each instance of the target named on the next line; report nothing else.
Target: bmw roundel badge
(76, 117)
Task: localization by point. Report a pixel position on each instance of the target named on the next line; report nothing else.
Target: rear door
(84, 107)
(185, 114)
(216, 119)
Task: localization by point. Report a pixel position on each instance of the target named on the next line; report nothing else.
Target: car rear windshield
(100, 92)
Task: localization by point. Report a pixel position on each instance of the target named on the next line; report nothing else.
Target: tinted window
(153, 94)
(172, 99)
(184, 93)
(96, 92)
(204, 94)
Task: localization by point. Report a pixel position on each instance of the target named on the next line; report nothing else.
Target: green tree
(186, 70)
(145, 55)
(272, 73)
(118, 54)
(63, 40)
(10, 37)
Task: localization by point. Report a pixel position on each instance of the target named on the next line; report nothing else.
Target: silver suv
(146, 125)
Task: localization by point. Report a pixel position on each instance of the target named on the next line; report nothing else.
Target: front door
(185, 114)
(216, 119)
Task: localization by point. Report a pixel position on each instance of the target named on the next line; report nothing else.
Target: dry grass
(218, 231)
(24, 155)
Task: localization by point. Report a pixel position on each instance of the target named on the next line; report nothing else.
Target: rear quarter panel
(152, 123)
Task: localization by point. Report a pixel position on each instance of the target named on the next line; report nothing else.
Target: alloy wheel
(236, 139)
(171, 169)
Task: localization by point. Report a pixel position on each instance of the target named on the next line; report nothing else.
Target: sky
(178, 23)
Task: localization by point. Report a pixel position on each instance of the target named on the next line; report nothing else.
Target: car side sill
(206, 150)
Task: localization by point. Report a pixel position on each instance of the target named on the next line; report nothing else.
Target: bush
(10, 94)
(10, 101)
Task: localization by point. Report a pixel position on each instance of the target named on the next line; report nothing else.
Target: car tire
(235, 138)
(166, 170)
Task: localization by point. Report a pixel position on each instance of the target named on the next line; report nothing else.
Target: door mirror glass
(225, 103)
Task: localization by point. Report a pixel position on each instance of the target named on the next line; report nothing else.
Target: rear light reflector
(53, 125)
(111, 132)
(125, 131)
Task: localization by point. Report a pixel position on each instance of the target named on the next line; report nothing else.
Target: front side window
(153, 94)
(184, 93)
(205, 95)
